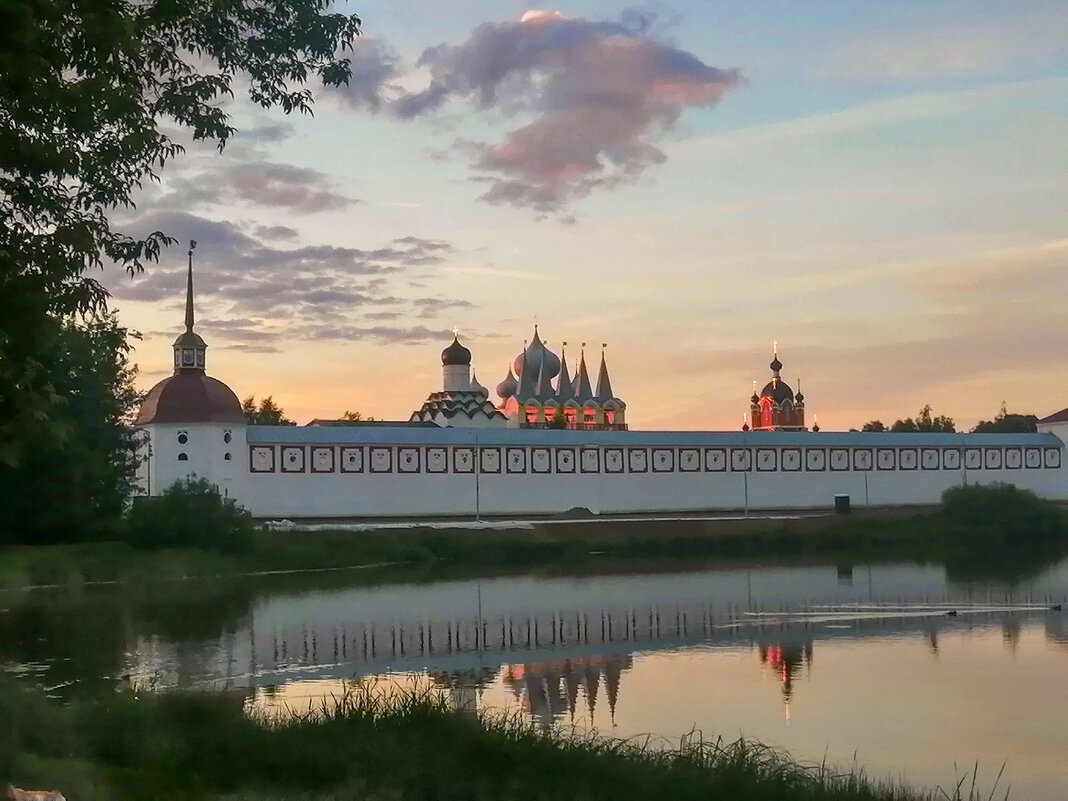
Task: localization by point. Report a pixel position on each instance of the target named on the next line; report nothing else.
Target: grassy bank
(973, 550)
(601, 546)
(367, 747)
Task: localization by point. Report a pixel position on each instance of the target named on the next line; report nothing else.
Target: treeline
(1003, 423)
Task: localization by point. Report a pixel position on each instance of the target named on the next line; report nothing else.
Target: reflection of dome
(190, 397)
(534, 355)
(456, 353)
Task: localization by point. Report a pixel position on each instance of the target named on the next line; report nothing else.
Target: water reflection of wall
(438, 628)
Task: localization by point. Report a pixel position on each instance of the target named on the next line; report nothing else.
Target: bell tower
(189, 348)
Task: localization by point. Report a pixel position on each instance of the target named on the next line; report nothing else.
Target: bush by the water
(1001, 510)
(190, 513)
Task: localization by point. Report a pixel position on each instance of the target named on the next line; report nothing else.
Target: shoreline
(427, 549)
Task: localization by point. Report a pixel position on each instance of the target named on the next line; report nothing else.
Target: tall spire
(583, 392)
(189, 347)
(564, 389)
(604, 384)
(189, 290)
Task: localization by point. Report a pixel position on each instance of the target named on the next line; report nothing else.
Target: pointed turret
(565, 390)
(528, 378)
(604, 384)
(544, 388)
(189, 396)
(583, 392)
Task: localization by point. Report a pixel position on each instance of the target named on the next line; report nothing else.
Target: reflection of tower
(548, 690)
(463, 686)
(613, 672)
(1010, 631)
(787, 661)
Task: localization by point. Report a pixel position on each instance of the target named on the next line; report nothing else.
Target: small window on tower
(227, 437)
(200, 358)
(187, 357)
(183, 438)
(182, 457)
(227, 457)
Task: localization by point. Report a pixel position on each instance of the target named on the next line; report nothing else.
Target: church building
(776, 408)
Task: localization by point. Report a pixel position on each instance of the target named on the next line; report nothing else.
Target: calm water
(850, 662)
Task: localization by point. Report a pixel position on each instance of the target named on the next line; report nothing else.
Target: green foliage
(559, 419)
(1001, 513)
(924, 422)
(267, 413)
(86, 88)
(356, 417)
(874, 425)
(1005, 423)
(74, 478)
(191, 513)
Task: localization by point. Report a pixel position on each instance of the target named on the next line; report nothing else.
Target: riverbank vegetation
(377, 746)
(981, 532)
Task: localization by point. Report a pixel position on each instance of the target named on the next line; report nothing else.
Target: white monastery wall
(323, 472)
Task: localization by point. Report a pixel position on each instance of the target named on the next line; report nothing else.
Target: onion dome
(778, 390)
(775, 365)
(456, 354)
(477, 387)
(537, 354)
(755, 399)
(507, 388)
(799, 397)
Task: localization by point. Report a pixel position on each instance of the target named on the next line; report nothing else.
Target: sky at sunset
(881, 187)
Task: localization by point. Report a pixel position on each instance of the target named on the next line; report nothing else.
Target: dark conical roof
(583, 392)
(565, 390)
(604, 383)
(456, 353)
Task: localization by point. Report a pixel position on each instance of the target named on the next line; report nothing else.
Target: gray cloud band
(253, 294)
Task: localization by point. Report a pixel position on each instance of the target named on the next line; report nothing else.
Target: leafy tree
(925, 422)
(85, 89)
(559, 419)
(267, 413)
(356, 417)
(873, 425)
(74, 480)
(1005, 423)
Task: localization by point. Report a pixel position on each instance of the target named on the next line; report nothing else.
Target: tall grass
(377, 745)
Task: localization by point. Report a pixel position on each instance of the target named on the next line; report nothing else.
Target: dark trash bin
(841, 504)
